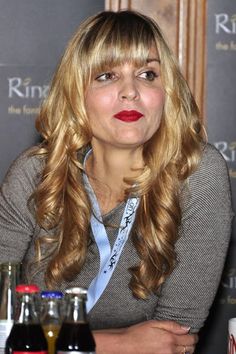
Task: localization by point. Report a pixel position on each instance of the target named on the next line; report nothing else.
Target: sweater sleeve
(204, 235)
(17, 223)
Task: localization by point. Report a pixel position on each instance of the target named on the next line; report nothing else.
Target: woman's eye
(148, 75)
(105, 76)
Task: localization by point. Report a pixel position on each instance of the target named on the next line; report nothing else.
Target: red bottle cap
(27, 288)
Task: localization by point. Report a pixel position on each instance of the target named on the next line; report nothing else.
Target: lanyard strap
(108, 258)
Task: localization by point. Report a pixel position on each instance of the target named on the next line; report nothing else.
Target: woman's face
(125, 104)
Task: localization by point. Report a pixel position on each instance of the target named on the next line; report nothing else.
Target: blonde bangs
(113, 42)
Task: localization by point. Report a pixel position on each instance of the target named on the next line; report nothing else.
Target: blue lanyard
(108, 258)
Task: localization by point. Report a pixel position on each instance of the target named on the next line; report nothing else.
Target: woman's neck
(106, 170)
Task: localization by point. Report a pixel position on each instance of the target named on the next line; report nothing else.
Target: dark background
(33, 35)
(221, 127)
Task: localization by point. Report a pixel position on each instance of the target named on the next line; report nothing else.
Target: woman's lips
(128, 116)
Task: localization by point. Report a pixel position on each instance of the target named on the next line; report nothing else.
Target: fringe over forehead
(112, 38)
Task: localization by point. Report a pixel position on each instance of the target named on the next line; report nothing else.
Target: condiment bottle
(51, 316)
(27, 334)
(75, 334)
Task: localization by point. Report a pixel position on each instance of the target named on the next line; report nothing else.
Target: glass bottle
(26, 334)
(51, 316)
(9, 278)
(75, 334)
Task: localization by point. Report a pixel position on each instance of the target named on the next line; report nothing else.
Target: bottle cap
(27, 288)
(77, 291)
(51, 294)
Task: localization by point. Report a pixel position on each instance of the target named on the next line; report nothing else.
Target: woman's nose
(128, 90)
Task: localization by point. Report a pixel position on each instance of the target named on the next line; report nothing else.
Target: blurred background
(202, 34)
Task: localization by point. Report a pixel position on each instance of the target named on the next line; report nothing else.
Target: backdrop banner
(221, 126)
(33, 35)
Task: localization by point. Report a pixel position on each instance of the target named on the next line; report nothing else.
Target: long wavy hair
(170, 156)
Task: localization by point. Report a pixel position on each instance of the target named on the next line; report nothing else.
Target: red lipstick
(128, 116)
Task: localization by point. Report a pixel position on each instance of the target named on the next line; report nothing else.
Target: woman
(123, 196)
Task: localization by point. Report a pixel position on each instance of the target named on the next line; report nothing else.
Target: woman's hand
(164, 337)
(150, 337)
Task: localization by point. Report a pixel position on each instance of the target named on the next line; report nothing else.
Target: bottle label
(36, 352)
(74, 352)
(5, 328)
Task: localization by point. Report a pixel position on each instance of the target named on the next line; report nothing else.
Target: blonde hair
(171, 155)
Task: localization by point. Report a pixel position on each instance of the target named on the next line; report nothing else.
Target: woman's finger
(186, 349)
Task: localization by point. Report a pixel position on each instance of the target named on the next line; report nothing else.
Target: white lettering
(228, 151)
(233, 21)
(222, 146)
(14, 84)
(230, 284)
(221, 20)
(225, 23)
(232, 148)
(22, 88)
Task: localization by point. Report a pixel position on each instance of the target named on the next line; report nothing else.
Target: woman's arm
(17, 221)
(150, 337)
(188, 293)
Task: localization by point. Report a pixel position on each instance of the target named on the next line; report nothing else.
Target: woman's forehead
(153, 53)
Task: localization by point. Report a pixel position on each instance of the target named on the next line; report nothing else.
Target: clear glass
(9, 278)
(26, 310)
(51, 317)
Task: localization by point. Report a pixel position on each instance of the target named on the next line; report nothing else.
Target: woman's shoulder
(212, 164)
(211, 178)
(208, 191)
(27, 167)
(212, 153)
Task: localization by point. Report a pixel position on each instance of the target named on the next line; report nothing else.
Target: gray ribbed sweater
(201, 248)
